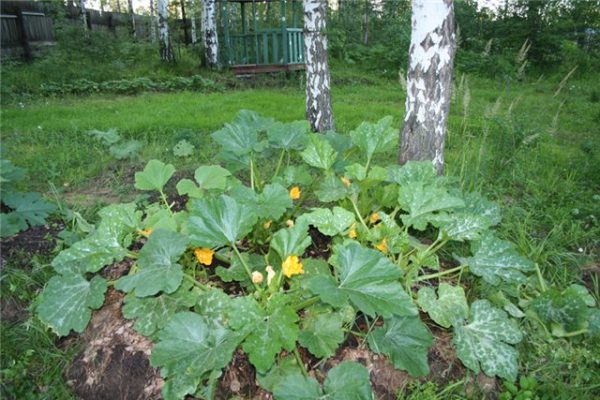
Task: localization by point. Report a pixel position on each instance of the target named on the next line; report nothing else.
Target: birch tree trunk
(164, 39)
(132, 16)
(192, 12)
(82, 14)
(429, 82)
(318, 98)
(186, 39)
(209, 33)
(152, 22)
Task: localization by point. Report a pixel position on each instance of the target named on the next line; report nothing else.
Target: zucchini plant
(237, 268)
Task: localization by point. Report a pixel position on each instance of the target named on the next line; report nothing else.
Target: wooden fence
(28, 26)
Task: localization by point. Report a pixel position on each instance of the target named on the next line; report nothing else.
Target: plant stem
(360, 218)
(371, 326)
(246, 267)
(540, 278)
(299, 360)
(164, 199)
(278, 164)
(367, 165)
(195, 282)
(131, 254)
(438, 274)
(252, 174)
(575, 333)
(306, 303)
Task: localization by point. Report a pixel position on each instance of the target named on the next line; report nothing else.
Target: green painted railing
(267, 47)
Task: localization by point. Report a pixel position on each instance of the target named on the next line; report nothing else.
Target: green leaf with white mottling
(406, 340)
(296, 386)
(188, 187)
(153, 313)
(29, 207)
(271, 330)
(375, 138)
(476, 204)
(272, 202)
(463, 226)
(158, 268)
(289, 136)
(183, 148)
(241, 135)
(367, 279)
(211, 177)
(497, 261)
(321, 332)
(424, 202)
(330, 222)
(155, 176)
(215, 305)
(109, 137)
(413, 172)
(319, 153)
(450, 308)
(123, 150)
(219, 221)
(356, 172)
(485, 343)
(67, 301)
(348, 381)
(291, 241)
(108, 244)
(189, 346)
(285, 366)
(331, 189)
(564, 311)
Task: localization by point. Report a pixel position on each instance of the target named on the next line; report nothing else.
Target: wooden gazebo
(252, 48)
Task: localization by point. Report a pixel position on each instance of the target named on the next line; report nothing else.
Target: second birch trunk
(318, 98)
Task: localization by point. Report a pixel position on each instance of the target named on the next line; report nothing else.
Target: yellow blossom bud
(295, 193)
(352, 234)
(289, 223)
(345, 181)
(382, 246)
(374, 218)
(257, 277)
(267, 224)
(204, 255)
(292, 266)
(145, 232)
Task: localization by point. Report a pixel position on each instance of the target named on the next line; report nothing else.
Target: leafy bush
(238, 267)
(130, 86)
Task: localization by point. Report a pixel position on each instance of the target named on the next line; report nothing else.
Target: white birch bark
(164, 39)
(152, 22)
(209, 33)
(192, 13)
(82, 14)
(429, 82)
(132, 16)
(318, 98)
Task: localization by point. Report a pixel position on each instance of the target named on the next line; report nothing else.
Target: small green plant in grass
(23, 209)
(239, 269)
(118, 148)
(526, 389)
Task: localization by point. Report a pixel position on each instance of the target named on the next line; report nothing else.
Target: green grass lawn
(537, 154)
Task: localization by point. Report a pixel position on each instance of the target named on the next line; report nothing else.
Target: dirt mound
(114, 364)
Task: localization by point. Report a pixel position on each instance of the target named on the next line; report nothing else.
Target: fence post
(23, 34)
